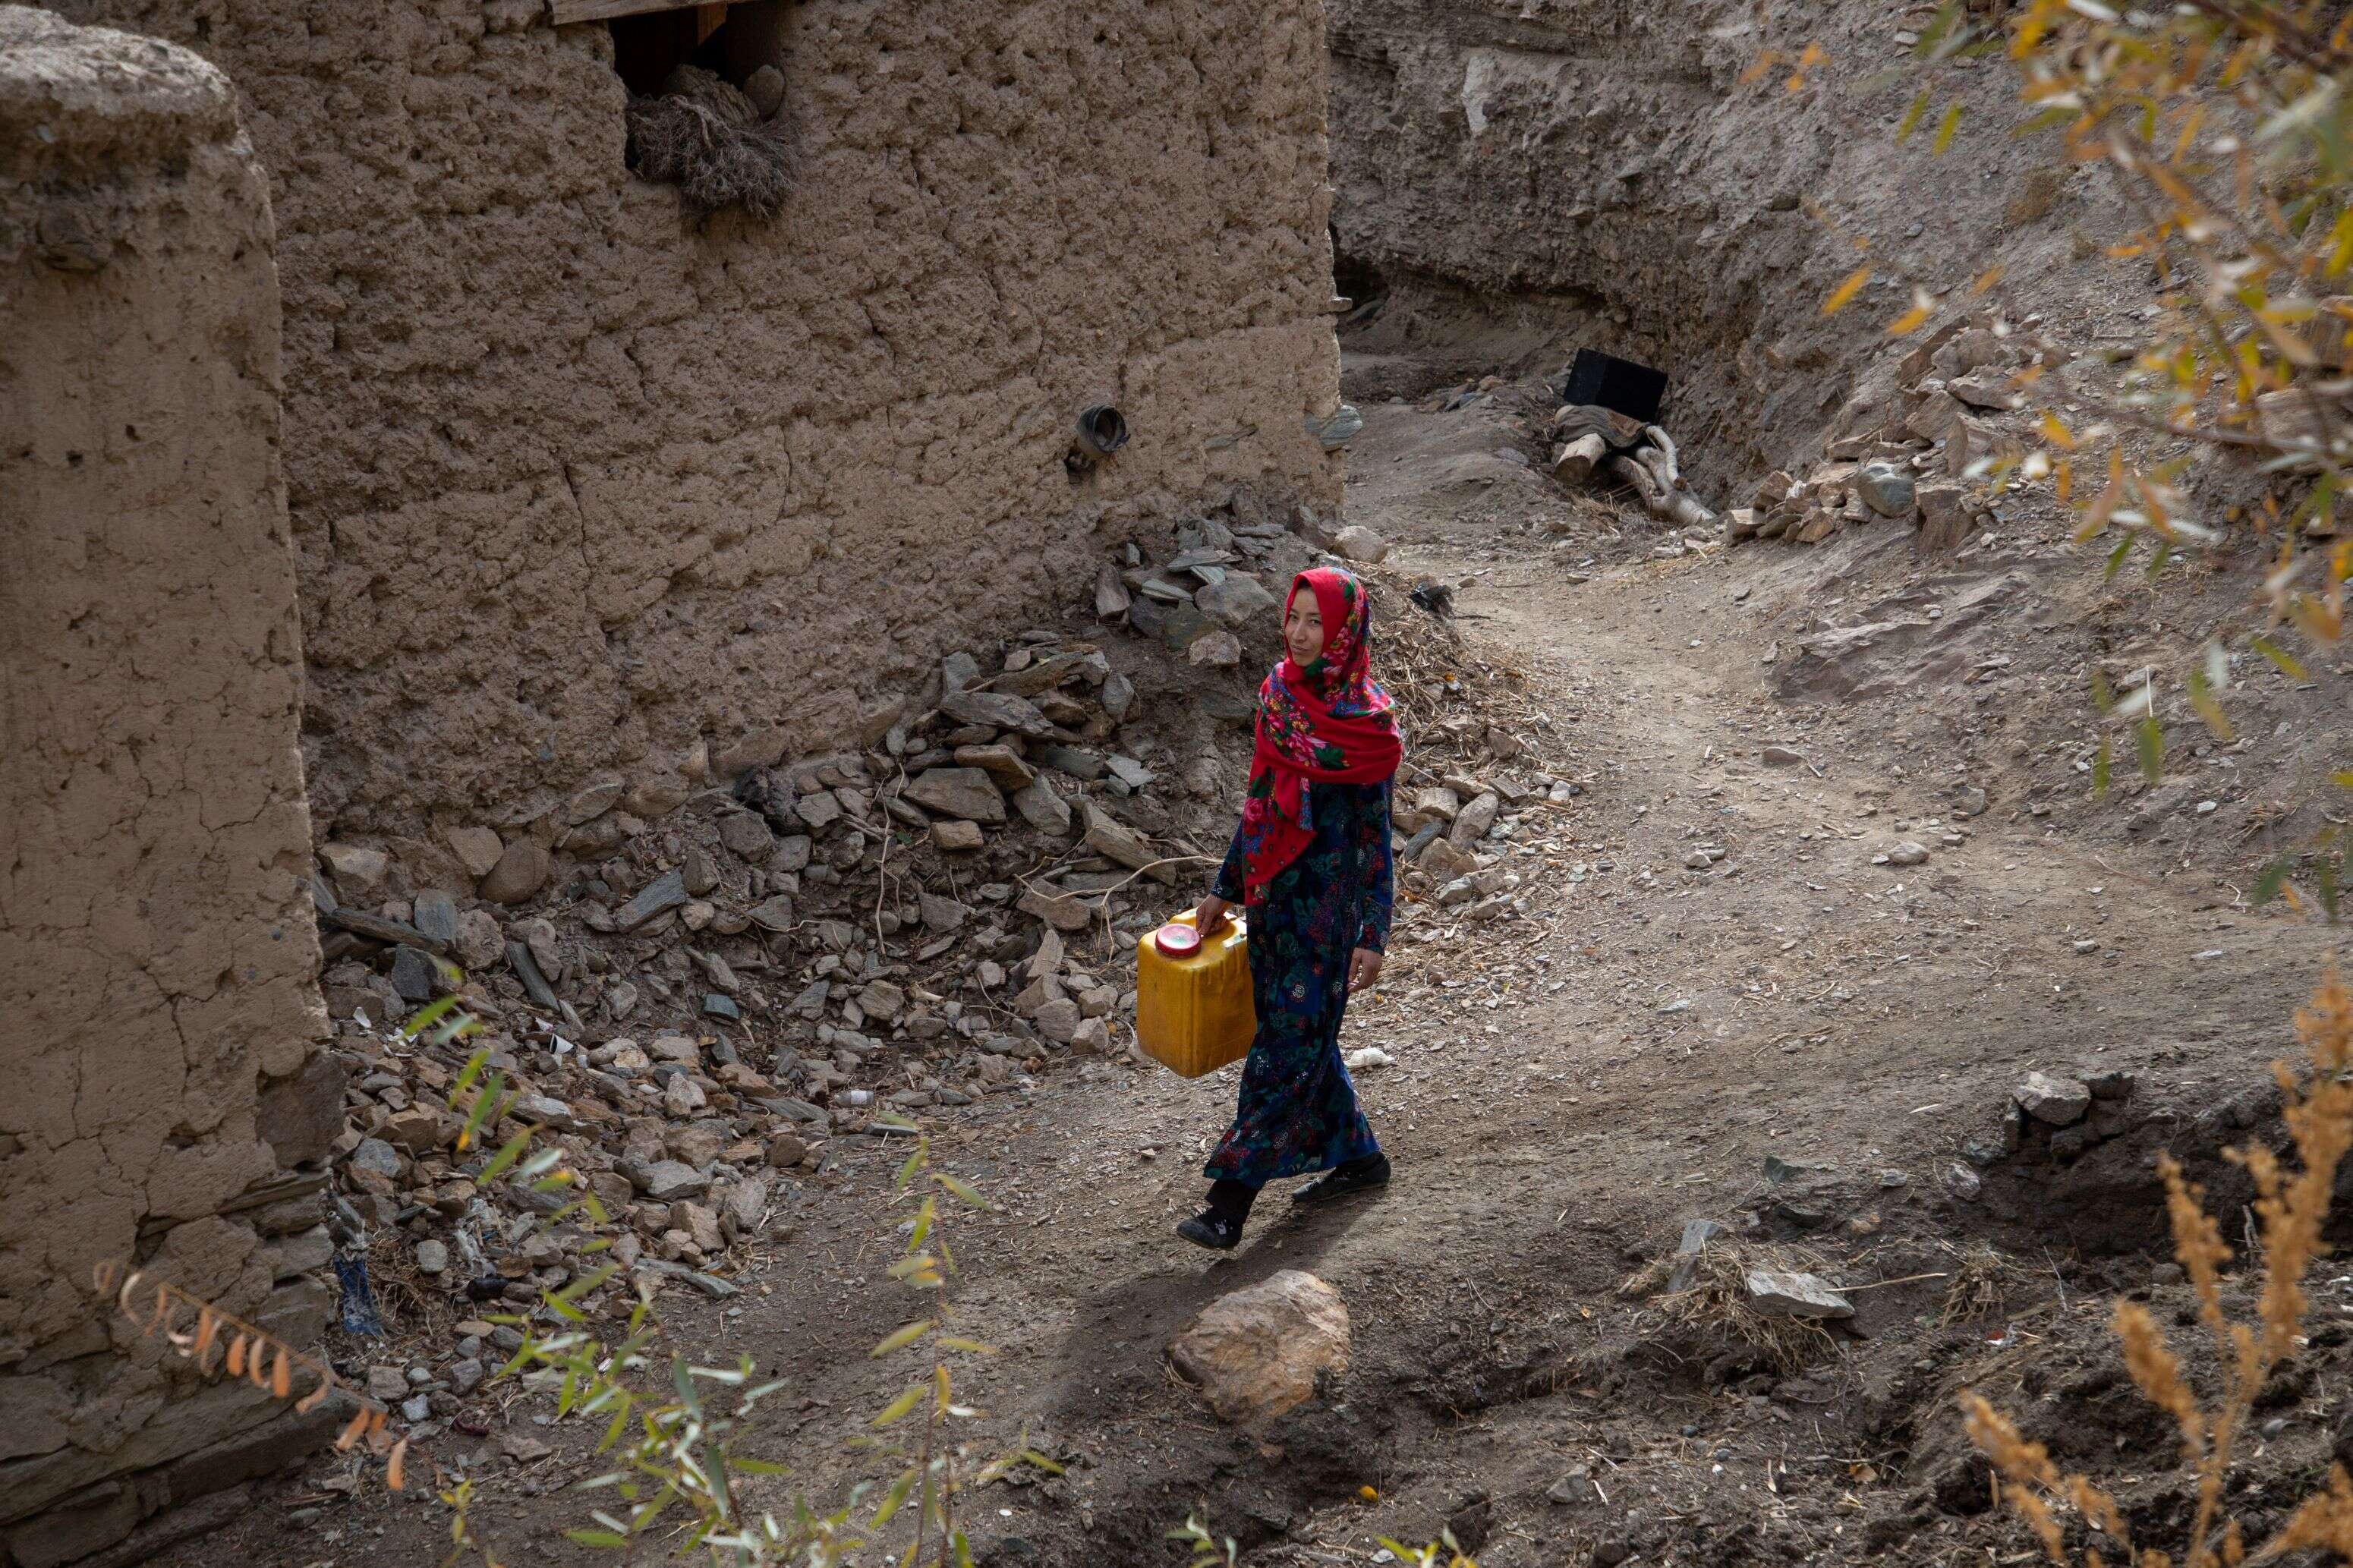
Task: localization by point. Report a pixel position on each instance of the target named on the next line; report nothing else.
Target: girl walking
(1310, 863)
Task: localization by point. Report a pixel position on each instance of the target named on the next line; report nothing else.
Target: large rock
(1264, 1349)
(1357, 542)
(999, 710)
(968, 795)
(1235, 599)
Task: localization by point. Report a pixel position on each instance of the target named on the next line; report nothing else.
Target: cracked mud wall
(582, 477)
(167, 1099)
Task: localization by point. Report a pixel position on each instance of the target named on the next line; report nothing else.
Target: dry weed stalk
(2290, 1207)
(197, 1331)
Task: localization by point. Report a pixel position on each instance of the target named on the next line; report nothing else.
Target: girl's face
(1302, 629)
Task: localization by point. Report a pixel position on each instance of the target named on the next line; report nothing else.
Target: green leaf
(1911, 117)
(900, 1405)
(484, 1099)
(2103, 696)
(2269, 881)
(964, 1190)
(956, 1342)
(2117, 557)
(2287, 663)
(596, 1538)
(1036, 1460)
(425, 1017)
(2327, 874)
(2102, 768)
(2201, 700)
(1945, 128)
(507, 1155)
(2150, 737)
(896, 1497)
(905, 1336)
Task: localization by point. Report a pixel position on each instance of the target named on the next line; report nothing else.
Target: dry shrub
(1715, 1304)
(702, 135)
(2290, 1206)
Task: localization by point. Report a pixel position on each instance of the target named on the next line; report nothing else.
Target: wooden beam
(569, 11)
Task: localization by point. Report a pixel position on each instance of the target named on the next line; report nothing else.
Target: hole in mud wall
(732, 42)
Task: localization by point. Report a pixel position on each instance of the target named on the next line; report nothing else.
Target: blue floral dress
(1298, 1111)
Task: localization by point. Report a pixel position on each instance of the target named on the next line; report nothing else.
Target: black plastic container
(1621, 386)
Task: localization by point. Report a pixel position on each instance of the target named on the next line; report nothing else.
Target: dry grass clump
(1980, 1285)
(1453, 697)
(2290, 1206)
(702, 135)
(1714, 1302)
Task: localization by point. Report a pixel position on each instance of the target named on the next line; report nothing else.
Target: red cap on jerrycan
(1176, 940)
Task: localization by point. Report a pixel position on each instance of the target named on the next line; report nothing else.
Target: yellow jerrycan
(1193, 1009)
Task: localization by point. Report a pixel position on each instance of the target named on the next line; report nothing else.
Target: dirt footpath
(1730, 967)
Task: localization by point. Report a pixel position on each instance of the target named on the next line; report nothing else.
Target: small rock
(465, 1375)
(417, 1407)
(520, 872)
(1217, 650)
(1234, 601)
(786, 1151)
(668, 1180)
(593, 799)
(658, 896)
(2054, 1102)
(1573, 1488)
(435, 914)
(1111, 594)
(433, 1257)
(2112, 1085)
(1786, 1295)
(953, 835)
(478, 850)
(1781, 757)
(1473, 821)
(479, 942)
(1970, 801)
(970, 794)
(1910, 852)
(1885, 489)
(766, 89)
(358, 873)
(745, 836)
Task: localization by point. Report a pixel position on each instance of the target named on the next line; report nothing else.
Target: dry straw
(2290, 1206)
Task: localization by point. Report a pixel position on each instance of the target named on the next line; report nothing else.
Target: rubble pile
(1907, 458)
(698, 982)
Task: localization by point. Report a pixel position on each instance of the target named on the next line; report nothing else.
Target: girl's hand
(1363, 968)
(1207, 913)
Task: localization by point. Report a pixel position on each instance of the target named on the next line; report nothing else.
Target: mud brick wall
(582, 478)
(167, 1100)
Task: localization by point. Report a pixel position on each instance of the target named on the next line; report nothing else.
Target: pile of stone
(1909, 458)
(2061, 1117)
(1457, 828)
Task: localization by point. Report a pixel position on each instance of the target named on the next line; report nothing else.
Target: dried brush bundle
(2290, 1206)
(219, 1344)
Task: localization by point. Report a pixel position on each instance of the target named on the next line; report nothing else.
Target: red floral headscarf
(1327, 722)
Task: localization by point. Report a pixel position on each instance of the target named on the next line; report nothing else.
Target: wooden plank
(569, 11)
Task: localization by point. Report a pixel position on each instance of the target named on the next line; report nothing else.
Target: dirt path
(1567, 1092)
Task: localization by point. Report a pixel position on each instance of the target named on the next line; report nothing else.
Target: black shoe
(1220, 1233)
(1366, 1176)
